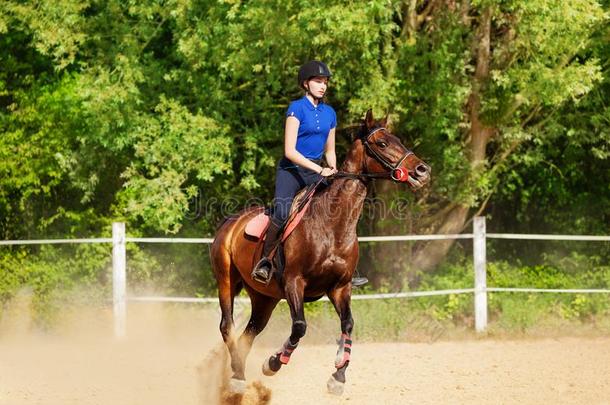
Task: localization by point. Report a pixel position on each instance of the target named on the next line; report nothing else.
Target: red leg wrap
(344, 351)
(286, 352)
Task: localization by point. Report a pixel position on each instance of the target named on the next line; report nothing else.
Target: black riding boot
(262, 270)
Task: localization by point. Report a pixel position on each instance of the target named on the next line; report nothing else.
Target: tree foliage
(144, 111)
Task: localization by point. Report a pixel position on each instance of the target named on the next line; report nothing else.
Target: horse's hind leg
(341, 299)
(229, 284)
(294, 295)
(262, 308)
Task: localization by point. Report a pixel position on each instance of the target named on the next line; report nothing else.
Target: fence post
(480, 274)
(119, 279)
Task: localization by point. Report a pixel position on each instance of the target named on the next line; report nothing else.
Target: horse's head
(385, 154)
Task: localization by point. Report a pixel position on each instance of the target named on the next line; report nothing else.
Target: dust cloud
(173, 354)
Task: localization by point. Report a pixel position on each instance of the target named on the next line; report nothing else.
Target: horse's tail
(224, 220)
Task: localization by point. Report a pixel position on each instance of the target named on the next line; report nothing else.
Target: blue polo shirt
(314, 125)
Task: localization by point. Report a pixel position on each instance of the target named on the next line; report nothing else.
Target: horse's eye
(382, 144)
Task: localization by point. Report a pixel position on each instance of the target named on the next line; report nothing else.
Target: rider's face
(317, 86)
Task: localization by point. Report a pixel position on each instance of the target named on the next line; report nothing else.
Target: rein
(362, 176)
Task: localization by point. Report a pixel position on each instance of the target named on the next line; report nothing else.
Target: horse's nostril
(421, 170)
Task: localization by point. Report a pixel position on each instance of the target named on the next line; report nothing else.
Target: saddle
(257, 227)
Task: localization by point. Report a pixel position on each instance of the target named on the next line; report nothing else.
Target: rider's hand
(328, 171)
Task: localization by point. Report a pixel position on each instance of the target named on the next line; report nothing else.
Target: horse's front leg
(341, 299)
(294, 295)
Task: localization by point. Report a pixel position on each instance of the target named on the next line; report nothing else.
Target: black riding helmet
(311, 69)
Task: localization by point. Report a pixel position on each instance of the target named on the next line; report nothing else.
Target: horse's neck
(343, 200)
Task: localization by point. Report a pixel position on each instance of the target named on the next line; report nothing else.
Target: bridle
(387, 164)
(395, 172)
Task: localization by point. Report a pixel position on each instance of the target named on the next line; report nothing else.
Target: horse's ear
(386, 121)
(368, 119)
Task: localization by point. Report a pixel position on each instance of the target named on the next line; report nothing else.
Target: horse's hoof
(271, 366)
(267, 369)
(237, 386)
(335, 387)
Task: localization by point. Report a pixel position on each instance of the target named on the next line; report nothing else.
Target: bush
(55, 274)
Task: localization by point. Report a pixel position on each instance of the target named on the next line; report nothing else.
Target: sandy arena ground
(167, 359)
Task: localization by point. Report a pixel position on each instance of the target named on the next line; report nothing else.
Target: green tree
(132, 110)
(495, 75)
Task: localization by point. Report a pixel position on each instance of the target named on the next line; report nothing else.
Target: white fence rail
(480, 289)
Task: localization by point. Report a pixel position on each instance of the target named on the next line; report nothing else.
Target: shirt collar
(310, 105)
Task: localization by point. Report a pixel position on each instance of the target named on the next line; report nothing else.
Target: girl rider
(309, 133)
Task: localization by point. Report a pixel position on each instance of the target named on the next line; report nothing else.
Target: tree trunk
(431, 254)
(385, 263)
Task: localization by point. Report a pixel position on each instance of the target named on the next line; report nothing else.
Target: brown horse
(321, 253)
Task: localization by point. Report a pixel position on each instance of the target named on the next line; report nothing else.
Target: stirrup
(262, 271)
(359, 281)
